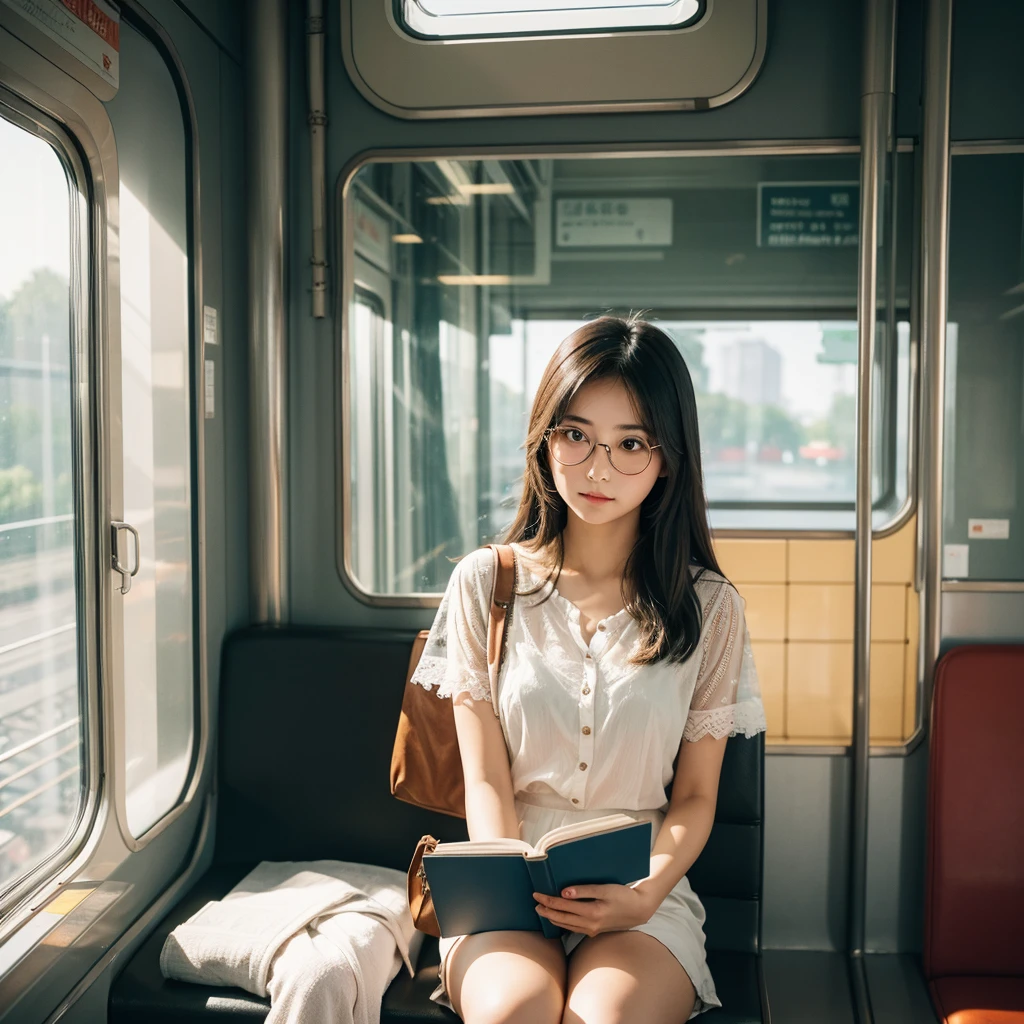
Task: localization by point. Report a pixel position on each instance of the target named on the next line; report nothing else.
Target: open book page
(557, 836)
(578, 830)
(483, 846)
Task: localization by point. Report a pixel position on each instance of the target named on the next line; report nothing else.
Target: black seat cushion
(142, 995)
(306, 721)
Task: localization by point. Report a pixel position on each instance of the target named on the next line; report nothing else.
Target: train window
(43, 703)
(983, 533)
(519, 58)
(156, 401)
(450, 19)
(750, 264)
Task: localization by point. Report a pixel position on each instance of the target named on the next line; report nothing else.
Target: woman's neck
(599, 552)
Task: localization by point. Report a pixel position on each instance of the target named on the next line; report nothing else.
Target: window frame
(199, 754)
(345, 290)
(439, 79)
(163, 860)
(470, 35)
(88, 546)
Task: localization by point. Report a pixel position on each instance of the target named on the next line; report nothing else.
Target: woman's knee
(508, 978)
(623, 977)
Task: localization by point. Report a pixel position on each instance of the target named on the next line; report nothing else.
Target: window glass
(983, 502)
(42, 730)
(749, 263)
(159, 653)
(453, 18)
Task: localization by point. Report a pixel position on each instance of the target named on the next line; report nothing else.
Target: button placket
(585, 746)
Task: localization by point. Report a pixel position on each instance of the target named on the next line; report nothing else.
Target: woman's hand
(593, 909)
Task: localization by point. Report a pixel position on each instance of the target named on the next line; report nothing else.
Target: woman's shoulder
(474, 569)
(712, 588)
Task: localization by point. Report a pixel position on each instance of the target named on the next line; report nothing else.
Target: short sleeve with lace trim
(455, 656)
(727, 698)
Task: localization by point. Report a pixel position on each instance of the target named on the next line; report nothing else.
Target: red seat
(974, 895)
(979, 1000)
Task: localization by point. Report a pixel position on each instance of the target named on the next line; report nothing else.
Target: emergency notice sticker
(988, 529)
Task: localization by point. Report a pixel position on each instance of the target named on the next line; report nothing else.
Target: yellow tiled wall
(800, 614)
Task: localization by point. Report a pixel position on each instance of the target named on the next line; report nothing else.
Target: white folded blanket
(322, 938)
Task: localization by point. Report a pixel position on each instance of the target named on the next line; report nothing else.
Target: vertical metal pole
(876, 142)
(934, 281)
(317, 152)
(266, 152)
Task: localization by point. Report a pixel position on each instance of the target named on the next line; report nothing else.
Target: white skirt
(678, 924)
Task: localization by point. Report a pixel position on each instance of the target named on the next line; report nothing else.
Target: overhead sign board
(595, 223)
(808, 215)
(89, 30)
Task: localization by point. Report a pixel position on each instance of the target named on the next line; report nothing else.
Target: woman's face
(602, 411)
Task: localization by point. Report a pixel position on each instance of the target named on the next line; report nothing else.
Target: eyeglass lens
(570, 446)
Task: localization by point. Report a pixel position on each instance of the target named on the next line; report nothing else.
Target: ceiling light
(490, 188)
(409, 239)
(474, 278)
(453, 200)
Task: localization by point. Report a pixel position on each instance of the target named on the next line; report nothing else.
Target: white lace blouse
(585, 729)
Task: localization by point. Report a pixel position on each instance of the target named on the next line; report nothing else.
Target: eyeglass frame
(594, 446)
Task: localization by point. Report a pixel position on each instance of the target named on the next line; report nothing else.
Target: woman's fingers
(570, 906)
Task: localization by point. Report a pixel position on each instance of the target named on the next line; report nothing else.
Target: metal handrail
(935, 152)
(36, 765)
(877, 103)
(39, 790)
(37, 638)
(42, 737)
(28, 524)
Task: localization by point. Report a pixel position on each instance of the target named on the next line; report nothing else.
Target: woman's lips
(597, 499)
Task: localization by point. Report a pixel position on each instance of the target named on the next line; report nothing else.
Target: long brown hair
(657, 584)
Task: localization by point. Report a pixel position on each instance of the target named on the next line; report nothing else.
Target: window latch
(115, 555)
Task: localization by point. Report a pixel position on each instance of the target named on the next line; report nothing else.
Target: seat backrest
(728, 873)
(974, 887)
(307, 719)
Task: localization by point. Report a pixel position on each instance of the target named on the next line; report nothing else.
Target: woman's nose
(600, 467)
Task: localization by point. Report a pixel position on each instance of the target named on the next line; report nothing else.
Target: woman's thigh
(626, 976)
(507, 978)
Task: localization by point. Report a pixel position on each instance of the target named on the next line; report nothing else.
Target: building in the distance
(750, 370)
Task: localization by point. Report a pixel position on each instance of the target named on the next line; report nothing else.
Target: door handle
(126, 574)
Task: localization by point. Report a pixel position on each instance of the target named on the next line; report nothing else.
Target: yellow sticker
(65, 902)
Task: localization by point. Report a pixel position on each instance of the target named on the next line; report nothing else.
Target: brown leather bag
(426, 768)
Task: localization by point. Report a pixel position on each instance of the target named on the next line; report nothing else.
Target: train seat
(306, 721)
(974, 911)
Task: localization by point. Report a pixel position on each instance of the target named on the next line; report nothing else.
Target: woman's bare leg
(620, 977)
(507, 978)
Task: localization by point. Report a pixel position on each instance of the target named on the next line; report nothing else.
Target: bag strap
(501, 606)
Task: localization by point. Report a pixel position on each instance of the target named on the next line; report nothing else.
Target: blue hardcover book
(488, 885)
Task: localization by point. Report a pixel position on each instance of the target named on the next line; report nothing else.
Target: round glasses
(570, 446)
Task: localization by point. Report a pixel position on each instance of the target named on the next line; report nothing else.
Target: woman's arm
(490, 806)
(688, 821)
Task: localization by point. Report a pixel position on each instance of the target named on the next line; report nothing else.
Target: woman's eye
(632, 444)
(574, 435)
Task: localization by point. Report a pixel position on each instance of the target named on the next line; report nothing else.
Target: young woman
(627, 667)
